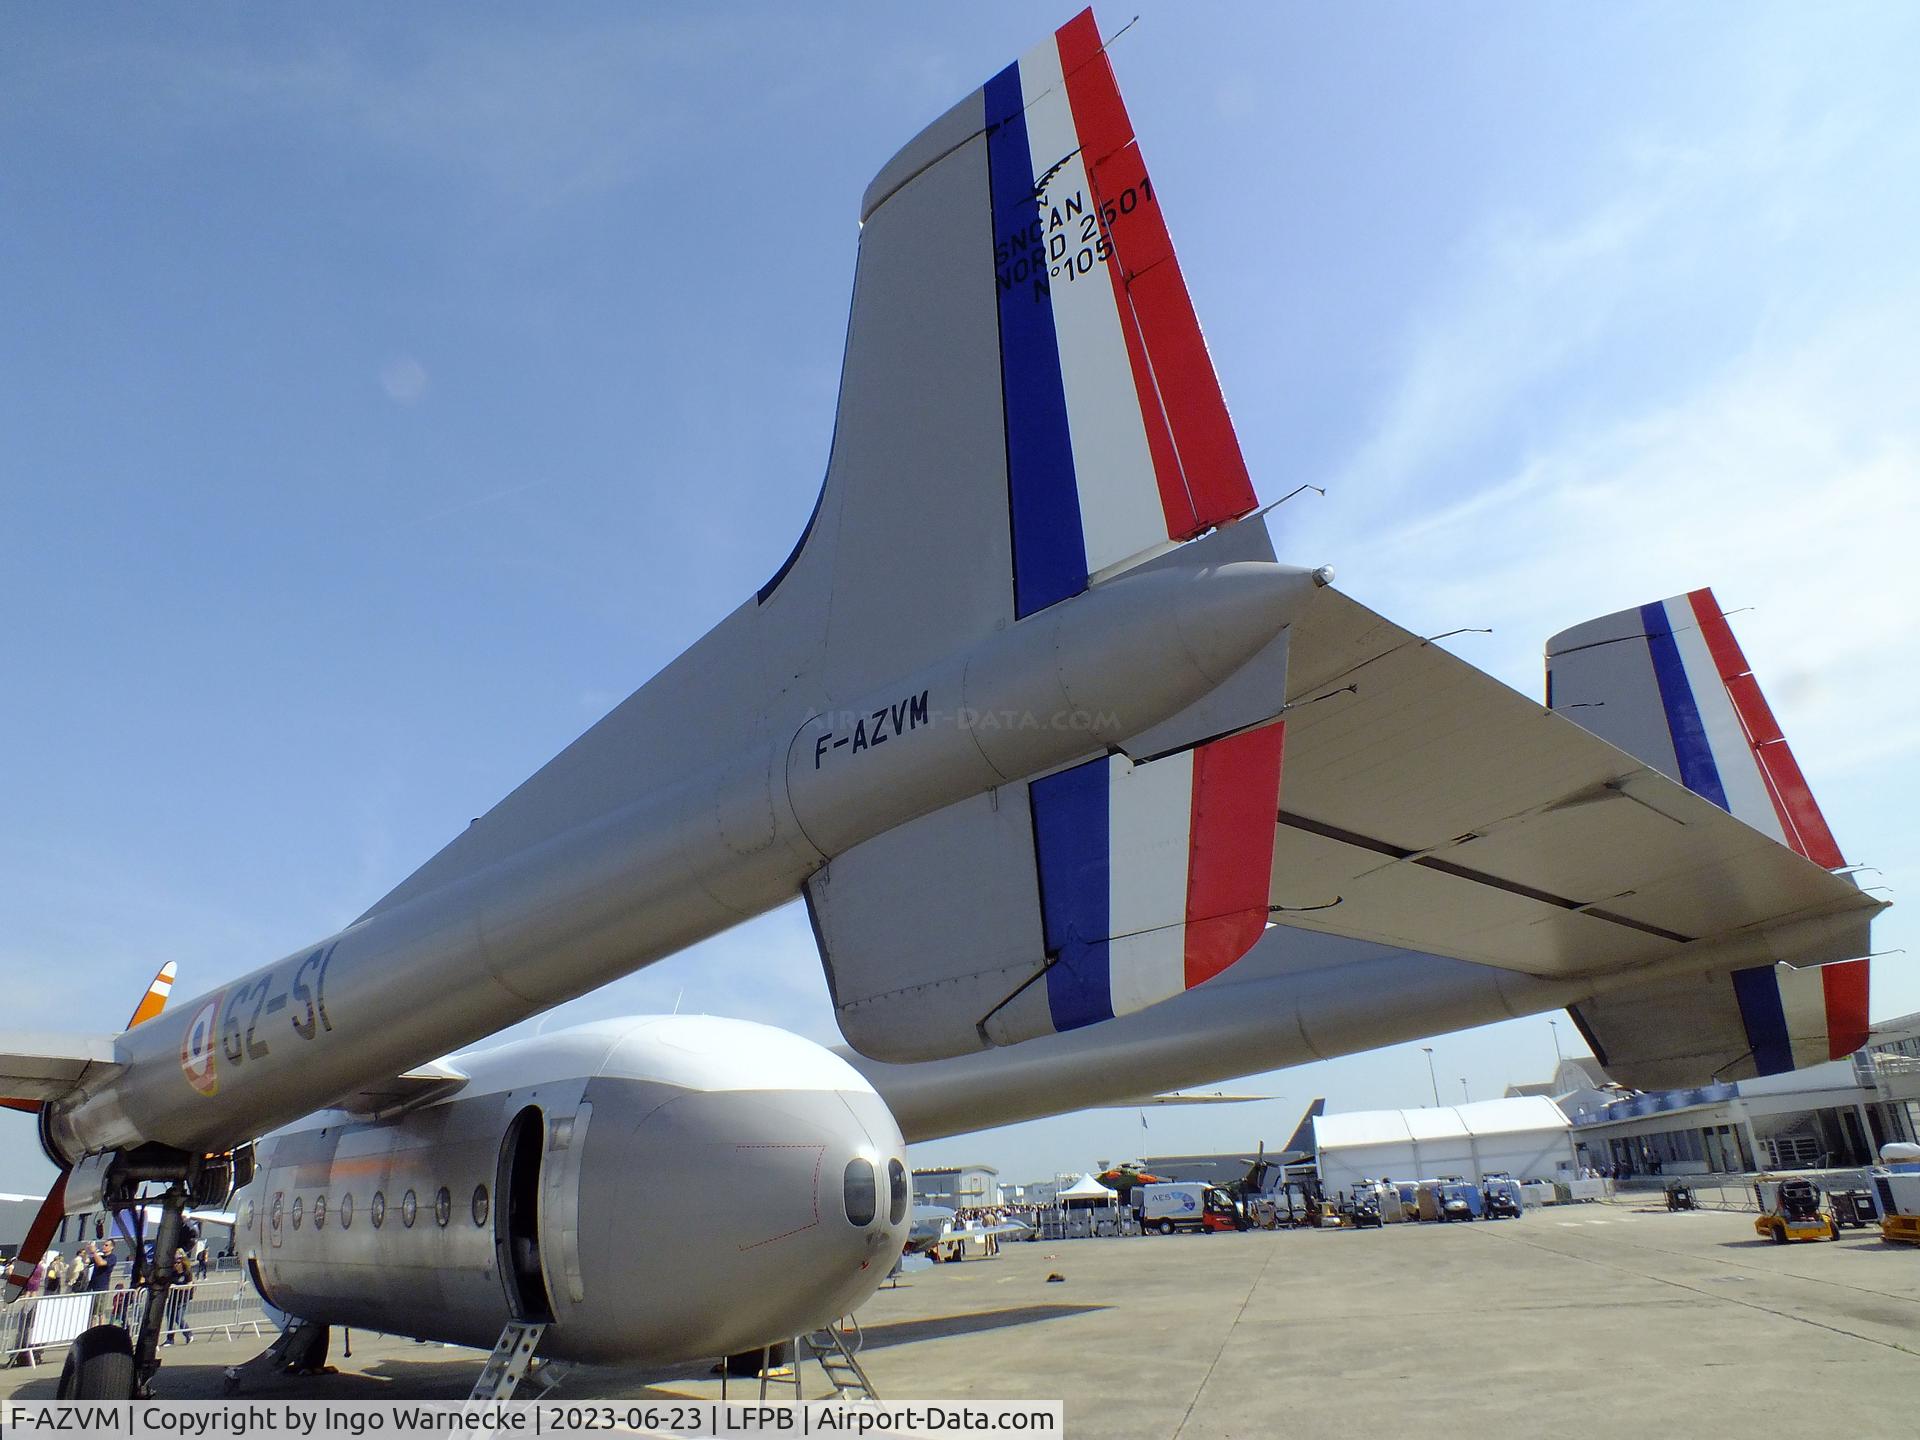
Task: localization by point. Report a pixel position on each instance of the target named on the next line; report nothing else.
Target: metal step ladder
(844, 1373)
(507, 1366)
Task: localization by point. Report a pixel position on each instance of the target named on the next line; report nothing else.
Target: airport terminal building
(1834, 1115)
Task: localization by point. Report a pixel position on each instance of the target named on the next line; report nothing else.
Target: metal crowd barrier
(1056, 1222)
(1735, 1192)
(31, 1327)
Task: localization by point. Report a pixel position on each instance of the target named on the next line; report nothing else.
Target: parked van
(1187, 1205)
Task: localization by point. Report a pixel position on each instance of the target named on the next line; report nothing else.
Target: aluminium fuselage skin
(451, 964)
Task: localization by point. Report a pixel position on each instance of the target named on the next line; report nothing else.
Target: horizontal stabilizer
(1093, 892)
(43, 1065)
(1181, 1097)
(1430, 807)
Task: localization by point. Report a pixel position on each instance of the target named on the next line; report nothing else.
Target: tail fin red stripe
(1100, 120)
(1152, 289)
(1800, 818)
(1236, 782)
(1846, 987)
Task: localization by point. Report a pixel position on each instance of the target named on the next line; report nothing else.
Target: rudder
(1089, 893)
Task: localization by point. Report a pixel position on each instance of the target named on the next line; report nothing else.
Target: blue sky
(385, 392)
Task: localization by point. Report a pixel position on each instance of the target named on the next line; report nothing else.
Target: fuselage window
(319, 1212)
(479, 1204)
(442, 1207)
(296, 1212)
(861, 1193)
(409, 1207)
(897, 1184)
(377, 1209)
(346, 1210)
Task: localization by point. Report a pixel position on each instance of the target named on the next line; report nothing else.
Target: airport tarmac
(1571, 1318)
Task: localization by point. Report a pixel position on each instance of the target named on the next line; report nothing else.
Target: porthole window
(319, 1212)
(296, 1212)
(442, 1207)
(346, 1210)
(377, 1209)
(859, 1190)
(900, 1192)
(479, 1204)
(277, 1211)
(409, 1207)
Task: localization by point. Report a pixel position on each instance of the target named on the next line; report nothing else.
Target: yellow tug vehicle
(1898, 1190)
(1791, 1210)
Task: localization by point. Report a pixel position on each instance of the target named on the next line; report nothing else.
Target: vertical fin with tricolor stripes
(1668, 683)
(1118, 437)
(1153, 878)
(1027, 411)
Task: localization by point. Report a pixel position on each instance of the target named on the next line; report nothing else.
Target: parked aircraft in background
(935, 1226)
(1011, 720)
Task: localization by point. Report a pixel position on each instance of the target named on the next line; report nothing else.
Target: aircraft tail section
(1026, 396)
(1026, 408)
(1727, 1024)
(1118, 438)
(1301, 1141)
(1668, 683)
(1093, 892)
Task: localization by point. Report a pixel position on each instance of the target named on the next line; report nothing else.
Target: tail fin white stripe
(1150, 813)
(1803, 1001)
(1120, 507)
(1745, 791)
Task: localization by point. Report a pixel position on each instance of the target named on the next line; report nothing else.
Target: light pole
(1554, 1025)
(1465, 1098)
(1430, 1078)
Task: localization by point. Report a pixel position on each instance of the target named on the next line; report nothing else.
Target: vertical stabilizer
(1668, 683)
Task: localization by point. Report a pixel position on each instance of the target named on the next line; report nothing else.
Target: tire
(99, 1366)
(1779, 1233)
(1166, 1227)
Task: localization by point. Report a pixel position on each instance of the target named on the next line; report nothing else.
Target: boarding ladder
(829, 1346)
(510, 1361)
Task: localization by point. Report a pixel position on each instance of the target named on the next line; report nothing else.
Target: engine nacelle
(660, 1189)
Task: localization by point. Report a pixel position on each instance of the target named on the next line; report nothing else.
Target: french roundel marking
(198, 1045)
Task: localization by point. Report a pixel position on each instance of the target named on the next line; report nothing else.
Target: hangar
(1525, 1136)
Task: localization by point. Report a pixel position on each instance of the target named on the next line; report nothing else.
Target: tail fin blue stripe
(1070, 837)
(1049, 546)
(1765, 1019)
(1691, 748)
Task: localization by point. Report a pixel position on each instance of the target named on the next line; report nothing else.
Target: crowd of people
(93, 1266)
(978, 1215)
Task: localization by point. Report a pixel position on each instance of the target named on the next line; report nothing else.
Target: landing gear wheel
(1166, 1227)
(99, 1366)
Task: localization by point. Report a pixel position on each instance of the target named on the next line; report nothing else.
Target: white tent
(1087, 1191)
(1526, 1136)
